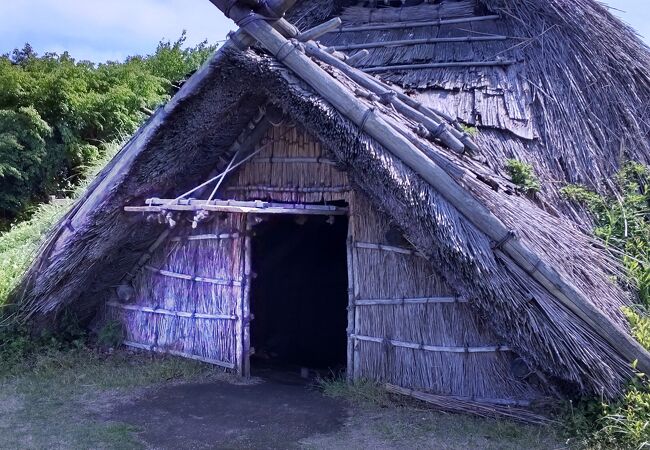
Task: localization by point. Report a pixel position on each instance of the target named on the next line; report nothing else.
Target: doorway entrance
(299, 292)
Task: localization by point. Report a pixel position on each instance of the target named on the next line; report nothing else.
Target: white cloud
(98, 28)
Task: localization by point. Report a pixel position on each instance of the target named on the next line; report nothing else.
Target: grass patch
(362, 392)
(60, 399)
(383, 420)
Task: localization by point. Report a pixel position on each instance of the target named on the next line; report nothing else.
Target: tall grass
(623, 222)
(19, 245)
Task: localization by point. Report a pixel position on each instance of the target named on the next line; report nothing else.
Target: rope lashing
(290, 46)
(366, 116)
(509, 236)
(269, 7)
(439, 130)
(228, 7)
(388, 96)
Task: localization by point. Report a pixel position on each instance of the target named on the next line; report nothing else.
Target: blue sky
(101, 30)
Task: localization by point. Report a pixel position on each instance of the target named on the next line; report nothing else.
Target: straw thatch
(567, 70)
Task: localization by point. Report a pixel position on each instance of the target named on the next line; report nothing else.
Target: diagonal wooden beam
(480, 216)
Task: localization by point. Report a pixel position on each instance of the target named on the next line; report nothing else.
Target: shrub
(621, 221)
(523, 175)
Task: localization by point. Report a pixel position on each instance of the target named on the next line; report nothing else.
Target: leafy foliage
(523, 175)
(18, 245)
(622, 221)
(56, 113)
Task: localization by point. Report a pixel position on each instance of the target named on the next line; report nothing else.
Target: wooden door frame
(244, 308)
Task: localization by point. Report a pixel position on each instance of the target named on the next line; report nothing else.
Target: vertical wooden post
(351, 304)
(240, 221)
(246, 293)
(355, 295)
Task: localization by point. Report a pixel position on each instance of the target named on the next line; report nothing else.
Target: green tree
(23, 155)
(57, 114)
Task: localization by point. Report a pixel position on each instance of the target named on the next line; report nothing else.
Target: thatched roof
(570, 103)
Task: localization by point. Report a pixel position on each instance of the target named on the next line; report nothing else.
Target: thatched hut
(325, 202)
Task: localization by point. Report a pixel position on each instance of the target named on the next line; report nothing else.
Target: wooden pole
(409, 42)
(319, 30)
(247, 317)
(413, 24)
(371, 123)
(349, 370)
(454, 139)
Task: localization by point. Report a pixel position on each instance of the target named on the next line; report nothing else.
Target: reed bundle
(468, 406)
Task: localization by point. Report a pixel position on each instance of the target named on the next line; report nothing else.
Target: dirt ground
(277, 415)
(127, 401)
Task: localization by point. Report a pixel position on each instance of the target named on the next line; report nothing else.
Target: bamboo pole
(319, 30)
(294, 160)
(166, 312)
(206, 237)
(370, 122)
(240, 350)
(435, 124)
(155, 348)
(351, 306)
(354, 59)
(433, 348)
(441, 65)
(413, 24)
(410, 301)
(183, 276)
(202, 205)
(500, 408)
(146, 256)
(424, 41)
(246, 297)
(388, 248)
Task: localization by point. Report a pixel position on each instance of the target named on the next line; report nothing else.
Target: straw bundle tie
(509, 235)
(229, 7)
(366, 116)
(68, 225)
(439, 130)
(287, 49)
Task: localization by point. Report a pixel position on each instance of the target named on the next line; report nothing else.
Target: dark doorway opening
(299, 292)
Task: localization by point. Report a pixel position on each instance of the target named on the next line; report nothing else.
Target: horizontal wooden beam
(182, 276)
(410, 301)
(413, 24)
(441, 65)
(155, 348)
(424, 41)
(301, 190)
(432, 348)
(207, 237)
(293, 160)
(162, 205)
(166, 312)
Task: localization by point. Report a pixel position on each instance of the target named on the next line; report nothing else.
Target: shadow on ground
(268, 414)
